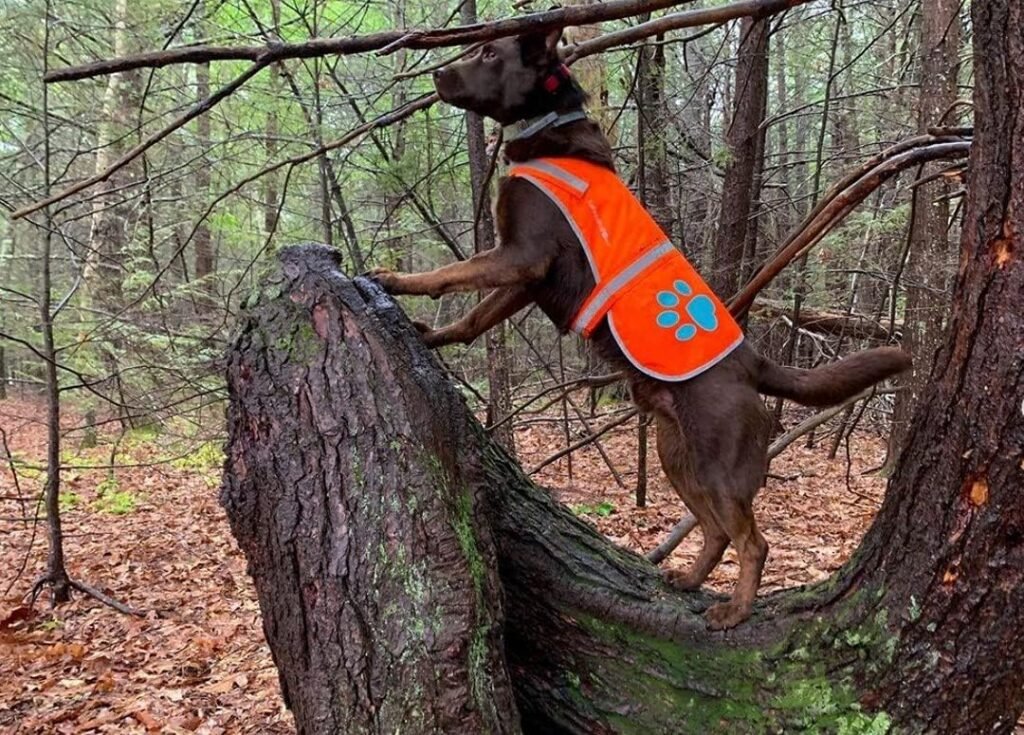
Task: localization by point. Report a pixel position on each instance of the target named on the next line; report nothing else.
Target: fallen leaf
(98, 721)
(147, 720)
(17, 615)
(189, 722)
(222, 686)
(105, 683)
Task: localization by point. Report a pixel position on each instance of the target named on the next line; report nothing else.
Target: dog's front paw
(726, 615)
(386, 277)
(431, 337)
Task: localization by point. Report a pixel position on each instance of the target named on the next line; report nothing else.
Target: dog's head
(510, 79)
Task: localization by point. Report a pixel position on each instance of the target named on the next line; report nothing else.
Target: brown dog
(713, 430)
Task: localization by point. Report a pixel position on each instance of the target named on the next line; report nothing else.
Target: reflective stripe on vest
(663, 316)
(598, 302)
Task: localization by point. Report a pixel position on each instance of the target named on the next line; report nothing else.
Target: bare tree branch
(262, 56)
(676, 21)
(386, 42)
(842, 198)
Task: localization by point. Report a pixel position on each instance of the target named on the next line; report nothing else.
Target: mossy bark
(413, 580)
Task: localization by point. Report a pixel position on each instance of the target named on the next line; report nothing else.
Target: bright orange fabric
(663, 315)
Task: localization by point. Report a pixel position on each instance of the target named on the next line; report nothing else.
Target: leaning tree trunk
(412, 579)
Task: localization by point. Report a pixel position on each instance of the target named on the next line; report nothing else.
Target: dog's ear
(540, 48)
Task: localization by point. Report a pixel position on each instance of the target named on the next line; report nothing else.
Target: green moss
(914, 610)
(269, 285)
(355, 464)
(142, 435)
(602, 509)
(208, 457)
(801, 685)
(302, 343)
(817, 705)
(461, 505)
(480, 677)
(463, 524)
(118, 503)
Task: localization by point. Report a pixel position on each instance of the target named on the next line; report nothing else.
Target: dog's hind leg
(730, 451)
(676, 461)
(726, 436)
(737, 519)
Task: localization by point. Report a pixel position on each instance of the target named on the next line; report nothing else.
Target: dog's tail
(833, 383)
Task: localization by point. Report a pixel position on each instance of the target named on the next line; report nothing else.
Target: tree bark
(741, 140)
(108, 227)
(409, 573)
(352, 490)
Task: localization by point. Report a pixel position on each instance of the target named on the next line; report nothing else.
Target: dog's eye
(487, 54)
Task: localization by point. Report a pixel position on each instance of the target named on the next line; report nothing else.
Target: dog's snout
(445, 83)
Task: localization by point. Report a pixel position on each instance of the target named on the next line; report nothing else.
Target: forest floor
(153, 536)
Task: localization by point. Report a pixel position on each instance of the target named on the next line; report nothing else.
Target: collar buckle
(554, 80)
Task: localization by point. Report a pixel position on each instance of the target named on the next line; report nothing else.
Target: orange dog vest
(663, 316)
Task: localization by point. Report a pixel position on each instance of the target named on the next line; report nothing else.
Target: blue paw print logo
(700, 309)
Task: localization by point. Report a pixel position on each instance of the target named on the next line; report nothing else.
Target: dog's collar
(532, 126)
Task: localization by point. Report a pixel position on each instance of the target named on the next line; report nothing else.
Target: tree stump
(353, 493)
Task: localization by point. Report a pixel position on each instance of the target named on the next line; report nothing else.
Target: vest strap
(569, 179)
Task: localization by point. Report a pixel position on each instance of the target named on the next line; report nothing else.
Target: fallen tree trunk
(832, 323)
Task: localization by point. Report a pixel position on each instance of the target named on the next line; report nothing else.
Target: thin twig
(590, 438)
(195, 111)
(106, 599)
